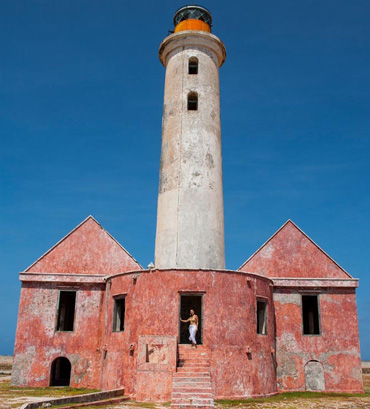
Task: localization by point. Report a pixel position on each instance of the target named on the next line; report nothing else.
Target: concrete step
(192, 387)
(195, 390)
(193, 351)
(185, 406)
(192, 369)
(192, 390)
(103, 402)
(193, 384)
(197, 358)
(192, 379)
(190, 384)
(193, 356)
(193, 364)
(194, 359)
(193, 401)
(192, 395)
(183, 374)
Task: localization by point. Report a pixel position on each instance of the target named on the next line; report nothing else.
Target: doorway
(60, 372)
(314, 376)
(190, 302)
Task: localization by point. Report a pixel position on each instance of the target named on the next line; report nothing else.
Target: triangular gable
(291, 253)
(87, 249)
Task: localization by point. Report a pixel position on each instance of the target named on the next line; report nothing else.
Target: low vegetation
(14, 397)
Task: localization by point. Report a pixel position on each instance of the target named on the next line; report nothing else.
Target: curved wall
(229, 326)
(190, 217)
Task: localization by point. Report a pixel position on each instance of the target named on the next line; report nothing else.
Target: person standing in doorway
(193, 327)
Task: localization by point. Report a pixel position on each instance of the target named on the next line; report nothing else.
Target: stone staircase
(191, 385)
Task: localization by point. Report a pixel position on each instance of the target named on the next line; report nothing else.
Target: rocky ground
(366, 367)
(11, 397)
(5, 365)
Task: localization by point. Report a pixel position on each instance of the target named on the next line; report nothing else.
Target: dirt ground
(6, 364)
(12, 397)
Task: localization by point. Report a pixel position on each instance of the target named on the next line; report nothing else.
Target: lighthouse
(90, 316)
(190, 216)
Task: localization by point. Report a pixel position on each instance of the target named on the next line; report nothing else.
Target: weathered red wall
(229, 327)
(291, 253)
(86, 252)
(337, 348)
(88, 249)
(101, 358)
(38, 344)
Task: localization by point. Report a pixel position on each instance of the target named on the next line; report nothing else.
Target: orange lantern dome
(192, 18)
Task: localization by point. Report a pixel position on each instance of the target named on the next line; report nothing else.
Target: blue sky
(80, 126)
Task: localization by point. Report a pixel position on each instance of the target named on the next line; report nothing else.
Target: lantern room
(192, 18)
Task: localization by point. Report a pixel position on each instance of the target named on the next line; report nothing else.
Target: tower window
(66, 310)
(192, 101)
(261, 318)
(310, 314)
(193, 65)
(119, 313)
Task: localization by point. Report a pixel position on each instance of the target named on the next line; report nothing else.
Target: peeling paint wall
(88, 249)
(190, 220)
(242, 362)
(336, 348)
(38, 343)
(290, 253)
(229, 327)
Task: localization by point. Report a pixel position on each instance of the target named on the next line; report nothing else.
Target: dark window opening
(310, 312)
(66, 310)
(193, 65)
(119, 314)
(261, 317)
(187, 303)
(60, 372)
(192, 101)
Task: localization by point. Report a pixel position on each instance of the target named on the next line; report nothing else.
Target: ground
(12, 397)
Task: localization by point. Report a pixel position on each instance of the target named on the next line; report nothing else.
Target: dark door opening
(60, 372)
(187, 303)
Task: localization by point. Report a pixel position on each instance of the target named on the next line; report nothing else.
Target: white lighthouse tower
(190, 220)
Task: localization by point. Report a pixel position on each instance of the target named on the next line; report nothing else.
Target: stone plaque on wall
(156, 362)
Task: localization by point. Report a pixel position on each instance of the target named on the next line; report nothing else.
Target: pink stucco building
(90, 316)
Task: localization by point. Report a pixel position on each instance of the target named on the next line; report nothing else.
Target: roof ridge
(306, 235)
(72, 231)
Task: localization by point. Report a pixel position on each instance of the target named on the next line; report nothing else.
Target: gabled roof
(291, 253)
(87, 249)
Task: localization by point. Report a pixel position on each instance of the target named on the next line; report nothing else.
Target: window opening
(310, 312)
(193, 65)
(192, 101)
(261, 317)
(60, 372)
(119, 314)
(66, 310)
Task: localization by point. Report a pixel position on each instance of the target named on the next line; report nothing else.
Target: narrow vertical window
(261, 317)
(119, 314)
(193, 65)
(66, 310)
(192, 101)
(310, 314)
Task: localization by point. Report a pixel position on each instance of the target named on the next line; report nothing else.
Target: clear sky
(81, 91)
